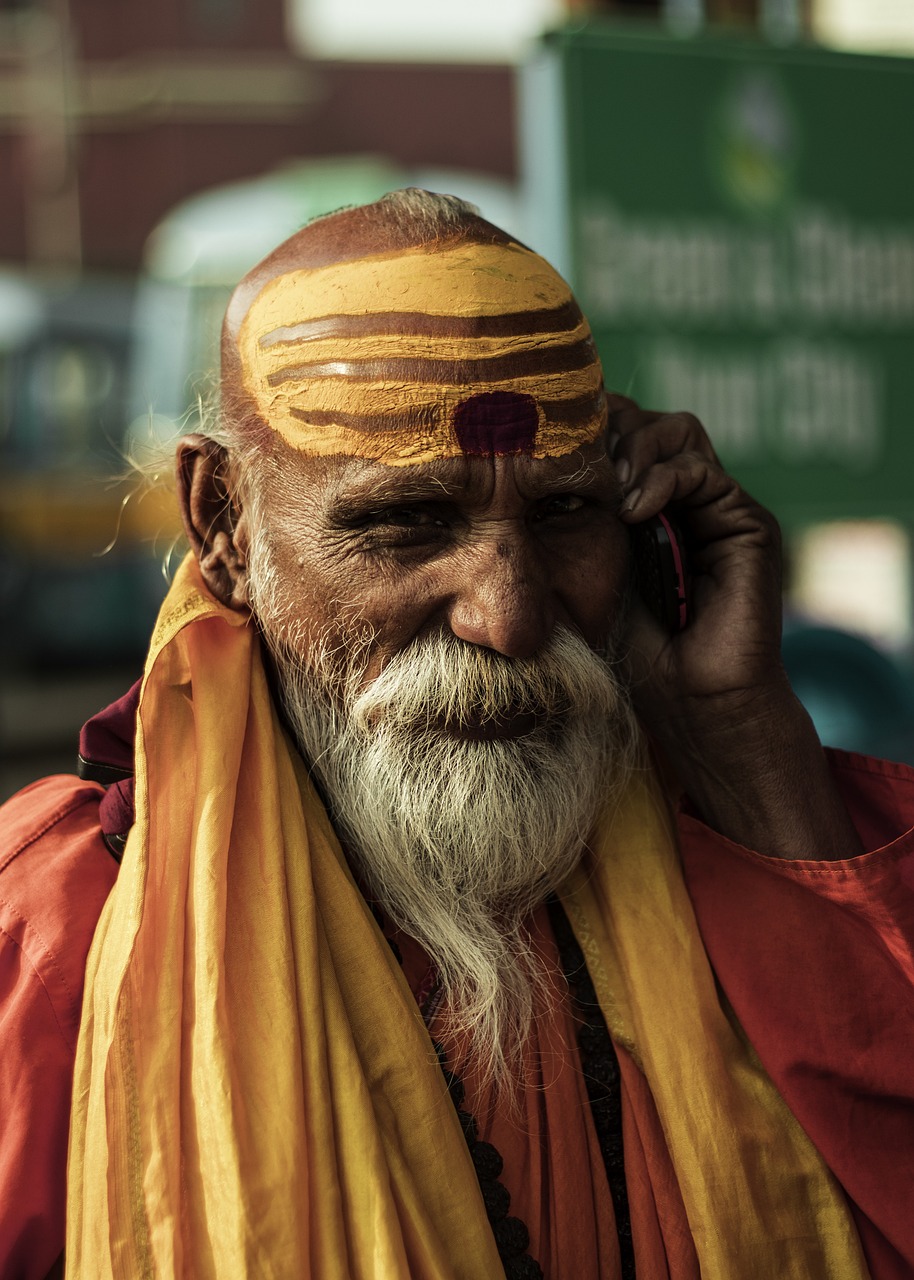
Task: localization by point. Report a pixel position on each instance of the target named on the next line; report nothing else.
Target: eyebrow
(386, 490)
(405, 485)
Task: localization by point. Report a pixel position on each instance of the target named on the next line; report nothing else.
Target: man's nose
(502, 600)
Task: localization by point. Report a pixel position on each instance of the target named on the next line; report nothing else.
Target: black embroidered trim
(511, 1235)
(601, 1073)
(512, 1239)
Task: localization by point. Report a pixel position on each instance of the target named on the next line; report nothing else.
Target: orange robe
(816, 959)
(55, 874)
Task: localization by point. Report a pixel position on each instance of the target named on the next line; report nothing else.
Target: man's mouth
(499, 728)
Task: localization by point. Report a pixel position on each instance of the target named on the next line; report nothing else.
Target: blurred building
(111, 113)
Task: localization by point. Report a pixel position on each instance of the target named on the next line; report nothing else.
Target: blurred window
(62, 382)
(408, 30)
(6, 400)
(854, 574)
(885, 26)
(67, 406)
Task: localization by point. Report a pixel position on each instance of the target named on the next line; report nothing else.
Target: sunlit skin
(498, 551)
(501, 566)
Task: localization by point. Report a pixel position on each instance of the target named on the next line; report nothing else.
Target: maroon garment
(106, 756)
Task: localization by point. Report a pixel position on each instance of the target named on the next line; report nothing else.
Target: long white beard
(459, 840)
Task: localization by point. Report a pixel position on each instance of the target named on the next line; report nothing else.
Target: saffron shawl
(255, 1093)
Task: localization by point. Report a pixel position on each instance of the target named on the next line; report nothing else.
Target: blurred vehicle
(78, 585)
(859, 697)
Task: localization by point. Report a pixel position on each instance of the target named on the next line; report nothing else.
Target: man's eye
(404, 518)
(560, 504)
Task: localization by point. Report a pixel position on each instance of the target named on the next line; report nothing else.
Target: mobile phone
(661, 571)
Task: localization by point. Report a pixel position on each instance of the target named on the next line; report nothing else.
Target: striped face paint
(424, 354)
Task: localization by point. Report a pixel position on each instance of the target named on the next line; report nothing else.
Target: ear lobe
(213, 520)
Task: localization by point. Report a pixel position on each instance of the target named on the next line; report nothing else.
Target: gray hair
(425, 215)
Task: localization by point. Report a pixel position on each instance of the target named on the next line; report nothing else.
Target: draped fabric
(758, 1197)
(255, 1093)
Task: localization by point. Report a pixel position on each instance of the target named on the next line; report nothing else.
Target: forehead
(352, 486)
(424, 354)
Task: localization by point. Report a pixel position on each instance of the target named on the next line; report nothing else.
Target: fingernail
(623, 471)
(631, 501)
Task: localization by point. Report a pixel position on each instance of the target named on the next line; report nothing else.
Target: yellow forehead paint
(424, 354)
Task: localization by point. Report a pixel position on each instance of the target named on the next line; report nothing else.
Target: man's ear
(216, 526)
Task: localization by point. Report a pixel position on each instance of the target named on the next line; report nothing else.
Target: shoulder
(55, 874)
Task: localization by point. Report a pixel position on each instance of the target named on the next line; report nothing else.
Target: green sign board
(738, 222)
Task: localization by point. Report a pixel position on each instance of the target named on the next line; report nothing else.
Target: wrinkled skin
(716, 695)
(501, 549)
(497, 550)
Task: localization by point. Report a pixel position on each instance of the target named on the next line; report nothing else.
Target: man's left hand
(715, 695)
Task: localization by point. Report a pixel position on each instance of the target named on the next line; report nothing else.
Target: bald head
(409, 331)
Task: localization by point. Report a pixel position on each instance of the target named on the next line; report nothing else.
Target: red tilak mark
(496, 423)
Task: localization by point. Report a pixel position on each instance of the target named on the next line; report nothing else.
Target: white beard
(459, 840)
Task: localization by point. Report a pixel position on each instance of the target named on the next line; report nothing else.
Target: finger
(617, 403)
(625, 415)
(645, 437)
(628, 411)
(689, 479)
(709, 504)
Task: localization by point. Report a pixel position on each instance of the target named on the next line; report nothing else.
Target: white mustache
(441, 681)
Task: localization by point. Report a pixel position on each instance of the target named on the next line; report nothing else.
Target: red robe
(816, 959)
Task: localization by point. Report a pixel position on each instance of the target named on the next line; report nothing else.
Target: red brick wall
(113, 28)
(12, 209)
(131, 168)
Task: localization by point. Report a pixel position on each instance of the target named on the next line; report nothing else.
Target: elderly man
(402, 973)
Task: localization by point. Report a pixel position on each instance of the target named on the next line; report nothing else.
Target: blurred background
(727, 183)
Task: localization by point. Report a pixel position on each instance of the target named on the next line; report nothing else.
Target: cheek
(292, 596)
(396, 611)
(342, 607)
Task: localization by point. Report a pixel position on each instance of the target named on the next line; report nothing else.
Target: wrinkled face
(438, 415)
(498, 551)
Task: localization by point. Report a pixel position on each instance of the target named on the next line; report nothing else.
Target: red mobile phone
(661, 573)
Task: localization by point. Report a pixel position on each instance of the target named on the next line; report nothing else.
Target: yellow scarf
(255, 1093)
